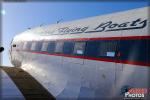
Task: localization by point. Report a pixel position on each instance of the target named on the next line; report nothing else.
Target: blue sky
(17, 17)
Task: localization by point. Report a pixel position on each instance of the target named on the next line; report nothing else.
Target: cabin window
(36, 46)
(59, 47)
(33, 46)
(24, 45)
(134, 50)
(21, 45)
(68, 47)
(44, 46)
(107, 49)
(147, 51)
(92, 48)
(79, 48)
(27, 46)
(51, 47)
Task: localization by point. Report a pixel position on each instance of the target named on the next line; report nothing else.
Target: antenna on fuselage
(59, 21)
(41, 25)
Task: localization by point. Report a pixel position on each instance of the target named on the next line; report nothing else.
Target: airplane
(93, 58)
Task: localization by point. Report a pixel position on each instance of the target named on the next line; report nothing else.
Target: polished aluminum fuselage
(71, 77)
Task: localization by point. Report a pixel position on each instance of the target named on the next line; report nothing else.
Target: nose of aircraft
(1, 49)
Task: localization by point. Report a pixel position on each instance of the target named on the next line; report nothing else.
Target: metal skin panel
(67, 77)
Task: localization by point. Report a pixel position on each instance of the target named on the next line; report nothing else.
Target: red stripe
(105, 38)
(98, 59)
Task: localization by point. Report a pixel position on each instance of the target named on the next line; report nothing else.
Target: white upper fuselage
(82, 28)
